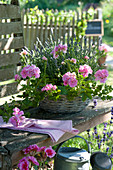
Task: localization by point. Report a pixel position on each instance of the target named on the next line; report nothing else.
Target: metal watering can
(72, 158)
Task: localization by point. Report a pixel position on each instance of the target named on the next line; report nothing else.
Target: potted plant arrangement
(60, 72)
(61, 78)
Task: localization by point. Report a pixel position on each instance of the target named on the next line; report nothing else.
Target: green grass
(108, 40)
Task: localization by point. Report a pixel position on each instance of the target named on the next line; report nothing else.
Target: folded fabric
(54, 128)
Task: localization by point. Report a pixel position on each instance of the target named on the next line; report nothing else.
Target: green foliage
(107, 9)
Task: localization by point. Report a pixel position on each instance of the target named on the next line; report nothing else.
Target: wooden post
(6, 162)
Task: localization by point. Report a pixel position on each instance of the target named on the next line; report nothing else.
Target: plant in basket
(62, 78)
(62, 73)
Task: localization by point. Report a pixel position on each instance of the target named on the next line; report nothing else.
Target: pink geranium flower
(23, 164)
(104, 47)
(24, 52)
(101, 75)
(17, 119)
(72, 82)
(73, 60)
(17, 77)
(85, 70)
(49, 87)
(44, 58)
(50, 152)
(31, 149)
(70, 79)
(60, 48)
(30, 71)
(86, 57)
(33, 160)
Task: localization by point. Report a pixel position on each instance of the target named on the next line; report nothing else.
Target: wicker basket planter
(63, 105)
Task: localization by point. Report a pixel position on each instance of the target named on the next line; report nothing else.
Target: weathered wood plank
(11, 27)
(11, 43)
(6, 74)
(9, 11)
(22, 143)
(81, 127)
(9, 89)
(9, 58)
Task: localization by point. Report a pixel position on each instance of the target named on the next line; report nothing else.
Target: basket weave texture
(63, 105)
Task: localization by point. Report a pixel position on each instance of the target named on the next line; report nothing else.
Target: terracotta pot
(102, 60)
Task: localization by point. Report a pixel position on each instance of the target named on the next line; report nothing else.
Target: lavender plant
(100, 137)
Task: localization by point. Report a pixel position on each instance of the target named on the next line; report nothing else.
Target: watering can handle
(89, 149)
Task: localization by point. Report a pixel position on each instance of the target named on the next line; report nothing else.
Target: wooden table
(12, 142)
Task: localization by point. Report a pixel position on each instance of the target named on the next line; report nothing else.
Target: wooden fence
(11, 43)
(61, 30)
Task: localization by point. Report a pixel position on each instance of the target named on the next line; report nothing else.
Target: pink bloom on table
(23, 164)
(17, 119)
(101, 75)
(50, 152)
(104, 47)
(33, 160)
(86, 57)
(21, 113)
(16, 110)
(44, 58)
(17, 77)
(73, 60)
(24, 52)
(85, 70)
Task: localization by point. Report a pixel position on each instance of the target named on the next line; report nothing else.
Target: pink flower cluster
(104, 47)
(85, 70)
(57, 49)
(49, 87)
(70, 79)
(17, 119)
(33, 150)
(73, 60)
(25, 162)
(17, 77)
(101, 75)
(30, 71)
